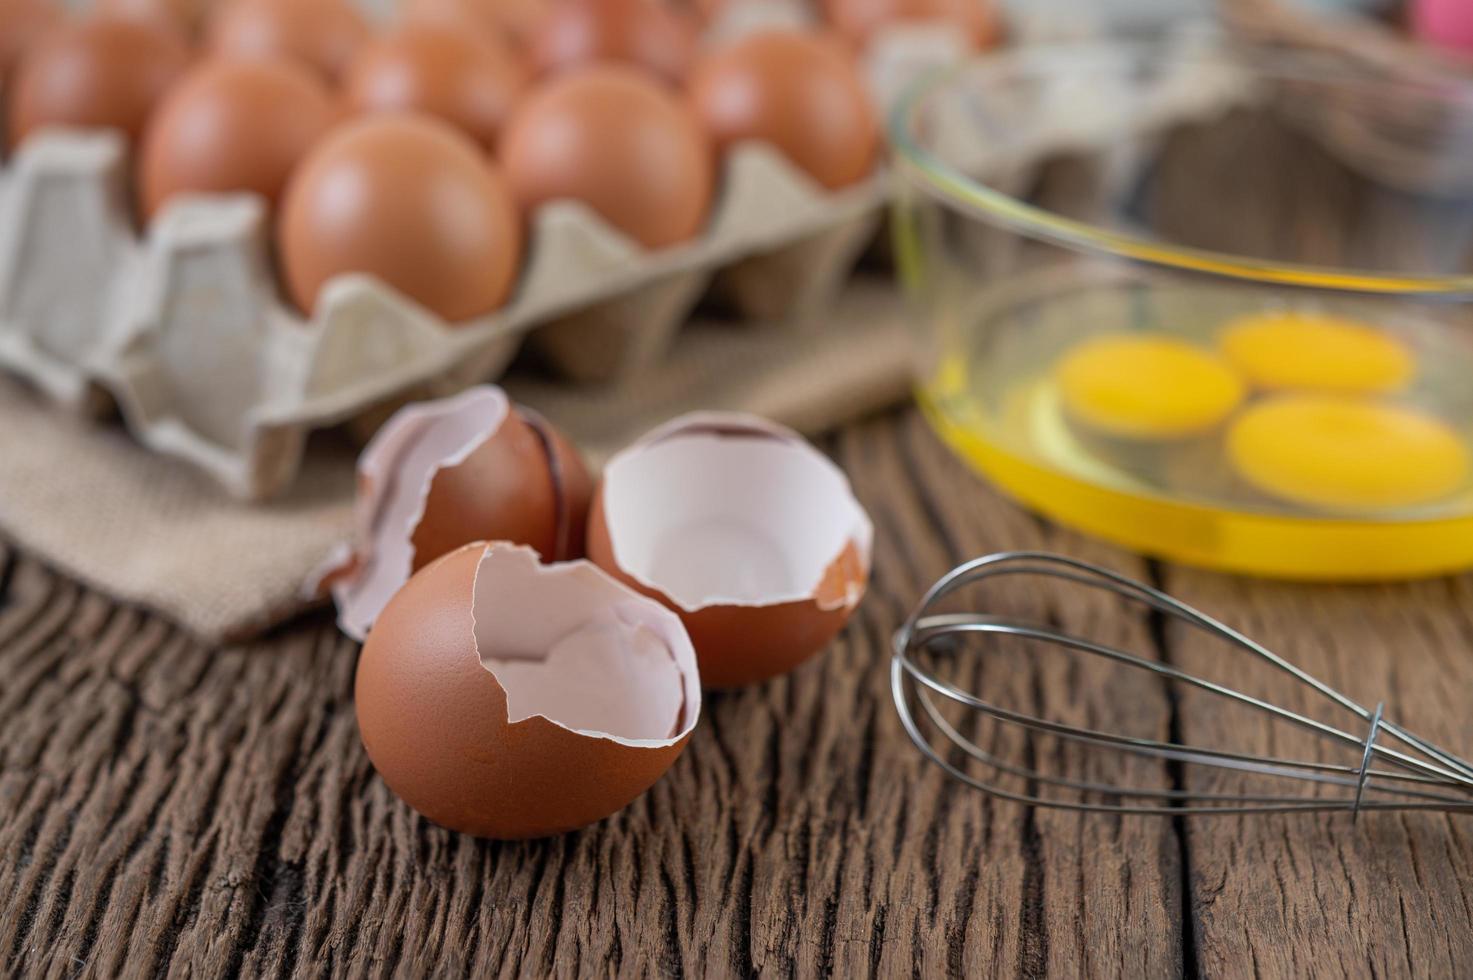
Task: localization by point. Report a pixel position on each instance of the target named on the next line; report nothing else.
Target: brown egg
(185, 15)
(442, 473)
(647, 33)
(322, 34)
(411, 200)
(615, 139)
(100, 73)
(508, 699)
(524, 484)
(801, 93)
(513, 20)
(859, 20)
(223, 128)
(463, 77)
(746, 531)
(21, 23)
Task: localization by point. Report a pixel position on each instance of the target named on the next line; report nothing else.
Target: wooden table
(169, 807)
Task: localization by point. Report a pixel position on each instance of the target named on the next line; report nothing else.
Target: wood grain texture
(1389, 894)
(166, 808)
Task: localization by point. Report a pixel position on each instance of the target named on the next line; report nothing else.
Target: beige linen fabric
(148, 530)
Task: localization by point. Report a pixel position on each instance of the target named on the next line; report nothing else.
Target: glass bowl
(1204, 300)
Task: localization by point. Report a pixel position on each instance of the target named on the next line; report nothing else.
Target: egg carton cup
(186, 331)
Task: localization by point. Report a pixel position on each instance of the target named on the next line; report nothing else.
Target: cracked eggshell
(442, 473)
(744, 529)
(505, 698)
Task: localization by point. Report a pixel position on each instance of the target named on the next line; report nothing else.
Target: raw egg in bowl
(1205, 300)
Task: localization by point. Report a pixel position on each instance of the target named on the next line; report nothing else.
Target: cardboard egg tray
(186, 331)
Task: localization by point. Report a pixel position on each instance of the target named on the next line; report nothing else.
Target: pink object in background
(1445, 23)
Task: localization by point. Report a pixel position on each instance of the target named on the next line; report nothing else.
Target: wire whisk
(1388, 768)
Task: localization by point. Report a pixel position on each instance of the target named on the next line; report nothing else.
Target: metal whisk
(1407, 774)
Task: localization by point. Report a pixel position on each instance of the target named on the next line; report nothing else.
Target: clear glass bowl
(1208, 301)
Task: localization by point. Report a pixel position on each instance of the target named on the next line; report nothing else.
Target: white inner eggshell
(572, 645)
(717, 519)
(398, 467)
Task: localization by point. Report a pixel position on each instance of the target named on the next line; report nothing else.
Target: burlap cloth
(86, 499)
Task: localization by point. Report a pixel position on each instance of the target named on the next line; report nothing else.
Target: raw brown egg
(186, 15)
(96, 73)
(800, 93)
(411, 200)
(859, 20)
(506, 19)
(224, 127)
(505, 698)
(322, 34)
(463, 77)
(21, 23)
(742, 528)
(618, 141)
(443, 473)
(648, 33)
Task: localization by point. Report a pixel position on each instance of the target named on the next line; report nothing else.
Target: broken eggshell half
(440, 474)
(743, 528)
(505, 698)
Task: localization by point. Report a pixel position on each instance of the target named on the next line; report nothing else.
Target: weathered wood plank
(1389, 895)
(164, 806)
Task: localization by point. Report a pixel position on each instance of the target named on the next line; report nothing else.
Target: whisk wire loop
(1415, 776)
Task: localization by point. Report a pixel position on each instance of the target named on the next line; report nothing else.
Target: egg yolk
(1316, 352)
(1347, 454)
(1140, 387)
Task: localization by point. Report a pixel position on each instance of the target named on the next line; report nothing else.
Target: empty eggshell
(439, 474)
(744, 529)
(506, 698)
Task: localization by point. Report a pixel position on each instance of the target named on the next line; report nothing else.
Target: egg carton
(186, 332)
(185, 329)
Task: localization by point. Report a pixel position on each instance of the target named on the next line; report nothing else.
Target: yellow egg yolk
(1346, 454)
(1316, 352)
(1141, 387)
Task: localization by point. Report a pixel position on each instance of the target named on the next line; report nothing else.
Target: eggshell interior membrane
(571, 645)
(777, 512)
(505, 698)
(395, 473)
